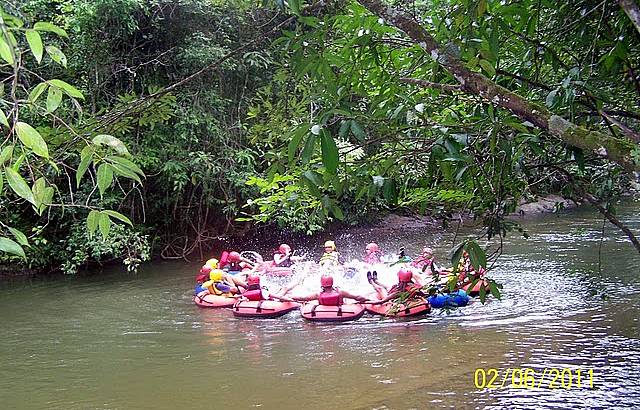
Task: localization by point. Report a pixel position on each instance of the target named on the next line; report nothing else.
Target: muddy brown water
(115, 340)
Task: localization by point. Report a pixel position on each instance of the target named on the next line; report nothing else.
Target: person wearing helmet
(219, 285)
(405, 284)
(256, 292)
(331, 257)
(330, 295)
(373, 254)
(284, 258)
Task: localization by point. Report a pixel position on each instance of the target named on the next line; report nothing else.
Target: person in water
(220, 285)
(330, 257)
(330, 295)
(373, 254)
(405, 284)
(256, 292)
(284, 258)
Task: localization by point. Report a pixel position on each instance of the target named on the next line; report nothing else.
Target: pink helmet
(205, 269)
(326, 281)
(253, 279)
(404, 275)
(372, 247)
(234, 257)
(284, 248)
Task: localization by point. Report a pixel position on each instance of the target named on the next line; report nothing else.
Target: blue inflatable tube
(454, 299)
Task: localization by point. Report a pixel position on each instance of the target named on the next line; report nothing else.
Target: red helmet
(234, 257)
(284, 248)
(326, 281)
(253, 279)
(205, 269)
(404, 275)
(372, 247)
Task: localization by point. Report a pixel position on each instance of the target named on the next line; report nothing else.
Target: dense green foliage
(339, 116)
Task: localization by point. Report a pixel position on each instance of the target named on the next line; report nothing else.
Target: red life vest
(331, 298)
(253, 295)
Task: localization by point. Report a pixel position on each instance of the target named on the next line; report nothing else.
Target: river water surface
(115, 340)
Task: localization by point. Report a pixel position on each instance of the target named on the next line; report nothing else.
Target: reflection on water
(121, 341)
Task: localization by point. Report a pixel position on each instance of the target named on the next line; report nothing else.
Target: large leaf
(104, 223)
(10, 246)
(105, 177)
(5, 51)
(18, 185)
(85, 159)
(5, 154)
(3, 119)
(42, 195)
(294, 143)
(477, 256)
(112, 142)
(35, 43)
(330, 155)
(44, 26)
(456, 256)
(123, 162)
(22, 238)
(357, 131)
(32, 139)
(389, 190)
(54, 99)
(37, 91)
(92, 221)
(57, 55)
(118, 216)
(309, 148)
(70, 90)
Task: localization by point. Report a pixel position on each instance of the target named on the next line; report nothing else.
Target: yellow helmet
(216, 275)
(212, 263)
(330, 244)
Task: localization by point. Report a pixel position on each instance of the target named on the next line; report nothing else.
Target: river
(117, 340)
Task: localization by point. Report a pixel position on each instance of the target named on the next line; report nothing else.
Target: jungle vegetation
(140, 127)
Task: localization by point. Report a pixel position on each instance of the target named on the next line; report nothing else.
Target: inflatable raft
(414, 307)
(263, 308)
(207, 300)
(322, 313)
(454, 299)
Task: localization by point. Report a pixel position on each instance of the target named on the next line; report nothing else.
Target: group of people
(235, 276)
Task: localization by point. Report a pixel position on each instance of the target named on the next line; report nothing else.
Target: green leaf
(457, 255)
(118, 216)
(495, 291)
(389, 190)
(357, 131)
(126, 172)
(483, 294)
(5, 51)
(309, 148)
(92, 221)
(22, 238)
(337, 212)
(37, 92)
(551, 98)
(35, 43)
(32, 139)
(44, 26)
(488, 68)
(3, 119)
(70, 90)
(42, 195)
(477, 255)
(10, 246)
(18, 185)
(57, 55)
(104, 223)
(105, 177)
(294, 5)
(344, 128)
(54, 99)
(314, 177)
(125, 163)
(85, 159)
(294, 143)
(330, 155)
(5, 154)
(112, 142)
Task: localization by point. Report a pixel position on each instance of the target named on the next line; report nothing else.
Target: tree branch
(612, 218)
(617, 150)
(633, 11)
(429, 84)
